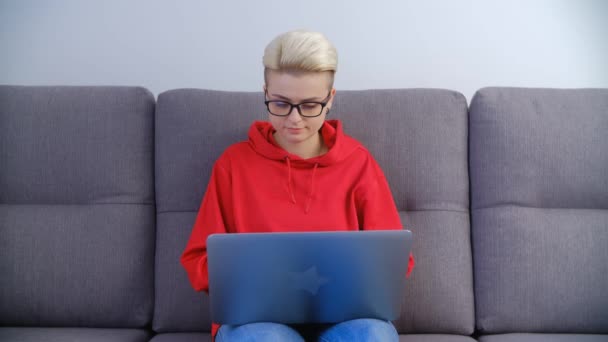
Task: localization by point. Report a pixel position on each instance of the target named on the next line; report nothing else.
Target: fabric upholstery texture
(193, 127)
(543, 338)
(76, 206)
(182, 337)
(419, 138)
(434, 338)
(539, 190)
(58, 144)
(72, 334)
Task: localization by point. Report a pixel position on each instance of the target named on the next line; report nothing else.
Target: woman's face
(294, 88)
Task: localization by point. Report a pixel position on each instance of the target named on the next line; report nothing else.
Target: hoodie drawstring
(293, 198)
(312, 184)
(312, 188)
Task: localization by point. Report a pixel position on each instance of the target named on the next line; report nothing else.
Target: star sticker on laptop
(309, 280)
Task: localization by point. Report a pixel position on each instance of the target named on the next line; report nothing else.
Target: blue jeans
(358, 330)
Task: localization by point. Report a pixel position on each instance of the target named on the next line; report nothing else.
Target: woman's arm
(376, 207)
(213, 217)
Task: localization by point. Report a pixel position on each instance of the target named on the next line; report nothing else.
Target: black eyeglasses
(309, 109)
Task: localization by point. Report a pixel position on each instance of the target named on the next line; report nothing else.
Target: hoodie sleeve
(376, 207)
(213, 217)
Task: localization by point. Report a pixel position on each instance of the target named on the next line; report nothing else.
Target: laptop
(311, 277)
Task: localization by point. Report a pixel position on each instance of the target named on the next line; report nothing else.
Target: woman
(297, 172)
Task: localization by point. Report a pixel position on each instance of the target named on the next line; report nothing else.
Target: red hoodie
(257, 186)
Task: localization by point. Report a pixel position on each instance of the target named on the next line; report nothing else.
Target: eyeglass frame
(297, 106)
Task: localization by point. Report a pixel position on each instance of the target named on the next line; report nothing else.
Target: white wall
(460, 45)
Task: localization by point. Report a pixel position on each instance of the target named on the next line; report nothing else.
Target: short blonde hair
(300, 51)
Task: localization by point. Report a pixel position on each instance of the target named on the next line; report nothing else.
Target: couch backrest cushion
(193, 127)
(419, 138)
(539, 189)
(76, 206)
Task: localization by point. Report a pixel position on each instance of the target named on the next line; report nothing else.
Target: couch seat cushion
(24, 334)
(543, 338)
(182, 337)
(434, 338)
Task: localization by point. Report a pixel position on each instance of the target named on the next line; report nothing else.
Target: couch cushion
(434, 338)
(182, 337)
(419, 138)
(543, 338)
(76, 145)
(200, 337)
(72, 334)
(76, 206)
(539, 192)
(193, 127)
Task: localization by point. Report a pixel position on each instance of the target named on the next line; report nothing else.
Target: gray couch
(508, 200)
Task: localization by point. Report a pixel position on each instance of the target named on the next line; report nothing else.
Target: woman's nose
(294, 115)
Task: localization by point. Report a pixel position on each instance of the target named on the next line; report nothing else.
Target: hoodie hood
(339, 145)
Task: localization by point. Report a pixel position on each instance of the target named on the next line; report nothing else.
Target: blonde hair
(300, 51)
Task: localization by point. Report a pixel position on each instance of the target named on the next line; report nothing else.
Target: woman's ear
(331, 100)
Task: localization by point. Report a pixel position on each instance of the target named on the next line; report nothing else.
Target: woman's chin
(294, 136)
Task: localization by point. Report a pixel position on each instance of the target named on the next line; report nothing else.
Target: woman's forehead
(298, 86)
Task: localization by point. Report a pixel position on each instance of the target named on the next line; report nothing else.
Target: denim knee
(361, 330)
(254, 332)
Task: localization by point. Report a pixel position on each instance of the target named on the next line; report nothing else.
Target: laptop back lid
(312, 277)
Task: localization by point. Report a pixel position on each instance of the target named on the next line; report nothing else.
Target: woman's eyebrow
(288, 99)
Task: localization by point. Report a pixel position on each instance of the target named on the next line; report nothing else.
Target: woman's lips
(294, 130)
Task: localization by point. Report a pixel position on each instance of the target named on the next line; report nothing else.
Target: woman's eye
(309, 105)
(281, 104)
